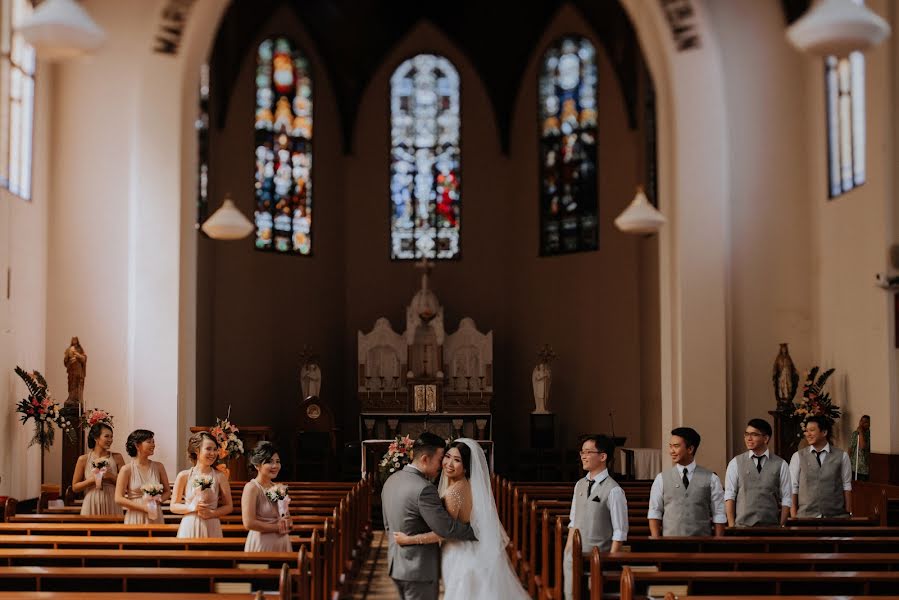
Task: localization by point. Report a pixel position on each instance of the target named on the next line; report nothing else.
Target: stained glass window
(283, 149)
(845, 92)
(425, 178)
(17, 64)
(567, 112)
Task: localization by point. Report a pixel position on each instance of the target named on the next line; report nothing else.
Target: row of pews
(855, 557)
(61, 551)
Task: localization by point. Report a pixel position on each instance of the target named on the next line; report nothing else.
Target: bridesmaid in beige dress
(201, 508)
(268, 531)
(98, 500)
(140, 471)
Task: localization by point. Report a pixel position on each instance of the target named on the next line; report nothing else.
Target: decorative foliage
(283, 149)
(568, 134)
(230, 446)
(425, 157)
(814, 401)
(94, 416)
(398, 455)
(39, 406)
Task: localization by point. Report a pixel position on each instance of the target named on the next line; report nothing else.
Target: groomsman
(757, 486)
(686, 497)
(599, 506)
(821, 474)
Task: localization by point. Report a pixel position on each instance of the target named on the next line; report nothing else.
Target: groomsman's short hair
(427, 444)
(821, 422)
(690, 436)
(603, 444)
(762, 425)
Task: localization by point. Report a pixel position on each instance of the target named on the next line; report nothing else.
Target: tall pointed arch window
(17, 65)
(567, 92)
(844, 81)
(283, 127)
(425, 159)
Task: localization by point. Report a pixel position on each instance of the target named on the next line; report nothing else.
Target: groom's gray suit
(411, 505)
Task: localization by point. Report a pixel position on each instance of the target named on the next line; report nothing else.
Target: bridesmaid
(98, 500)
(140, 471)
(201, 508)
(269, 532)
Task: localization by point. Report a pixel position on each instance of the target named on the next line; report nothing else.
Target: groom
(411, 505)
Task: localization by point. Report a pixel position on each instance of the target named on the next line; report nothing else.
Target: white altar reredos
(425, 375)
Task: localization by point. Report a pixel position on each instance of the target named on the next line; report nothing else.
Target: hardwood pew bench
(809, 543)
(107, 529)
(118, 596)
(62, 542)
(156, 558)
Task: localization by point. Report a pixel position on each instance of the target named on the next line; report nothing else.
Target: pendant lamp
(836, 28)
(640, 216)
(227, 223)
(59, 29)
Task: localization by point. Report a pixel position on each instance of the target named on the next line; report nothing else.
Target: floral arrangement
(94, 416)
(39, 406)
(151, 492)
(230, 446)
(152, 489)
(398, 455)
(814, 401)
(278, 494)
(204, 482)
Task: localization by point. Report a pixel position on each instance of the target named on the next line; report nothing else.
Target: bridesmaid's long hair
(135, 438)
(95, 432)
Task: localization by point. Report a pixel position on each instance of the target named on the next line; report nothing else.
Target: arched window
(844, 80)
(17, 64)
(283, 149)
(568, 112)
(425, 178)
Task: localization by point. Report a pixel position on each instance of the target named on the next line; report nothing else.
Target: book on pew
(233, 587)
(253, 566)
(657, 592)
(644, 569)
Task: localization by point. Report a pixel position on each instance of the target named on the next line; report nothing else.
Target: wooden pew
(805, 543)
(118, 596)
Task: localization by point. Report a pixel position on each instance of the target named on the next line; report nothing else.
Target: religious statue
(75, 361)
(785, 379)
(541, 379)
(310, 375)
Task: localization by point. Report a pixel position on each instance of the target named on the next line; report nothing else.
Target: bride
(478, 570)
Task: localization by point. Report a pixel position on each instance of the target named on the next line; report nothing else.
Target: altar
(425, 378)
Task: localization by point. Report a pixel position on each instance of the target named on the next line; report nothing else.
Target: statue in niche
(310, 375)
(541, 379)
(75, 361)
(785, 379)
(424, 354)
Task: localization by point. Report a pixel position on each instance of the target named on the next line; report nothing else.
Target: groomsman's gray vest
(688, 512)
(821, 488)
(758, 494)
(593, 519)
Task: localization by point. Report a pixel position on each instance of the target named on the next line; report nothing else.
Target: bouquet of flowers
(94, 416)
(151, 493)
(814, 401)
(203, 483)
(99, 466)
(398, 455)
(278, 494)
(39, 406)
(230, 446)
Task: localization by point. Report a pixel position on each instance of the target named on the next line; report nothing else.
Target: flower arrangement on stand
(814, 400)
(398, 455)
(94, 416)
(39, 405)
(230, 446)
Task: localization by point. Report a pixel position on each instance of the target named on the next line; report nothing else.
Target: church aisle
(373, 582)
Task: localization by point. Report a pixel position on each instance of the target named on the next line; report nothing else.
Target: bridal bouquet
(398, 455)
(152, 491)
(39, 406)
(814, 401)
(99, 466)
(278, 494)
(202, 483)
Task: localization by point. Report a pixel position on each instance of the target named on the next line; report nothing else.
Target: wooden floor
(373, 582)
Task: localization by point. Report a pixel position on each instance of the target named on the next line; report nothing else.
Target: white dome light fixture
(640, 216)
(836, 28)
(60, 29)
(227, 223)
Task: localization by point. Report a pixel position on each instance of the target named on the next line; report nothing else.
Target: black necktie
(590, 483)
(818, 456)
(686, 479)
(758, 466)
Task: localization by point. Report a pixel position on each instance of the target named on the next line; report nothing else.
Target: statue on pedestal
(75, 361)
(541, 379)
(785, 379)
(310, 375)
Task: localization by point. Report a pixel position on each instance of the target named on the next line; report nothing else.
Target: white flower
(392, 470)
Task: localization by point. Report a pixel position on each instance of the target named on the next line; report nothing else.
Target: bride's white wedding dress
(479, 570)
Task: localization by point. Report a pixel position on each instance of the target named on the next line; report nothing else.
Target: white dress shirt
(845, 468)
(657, 504)
(617, 508)
(731, 479)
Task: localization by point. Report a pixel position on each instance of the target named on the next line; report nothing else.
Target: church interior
(517, 223)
